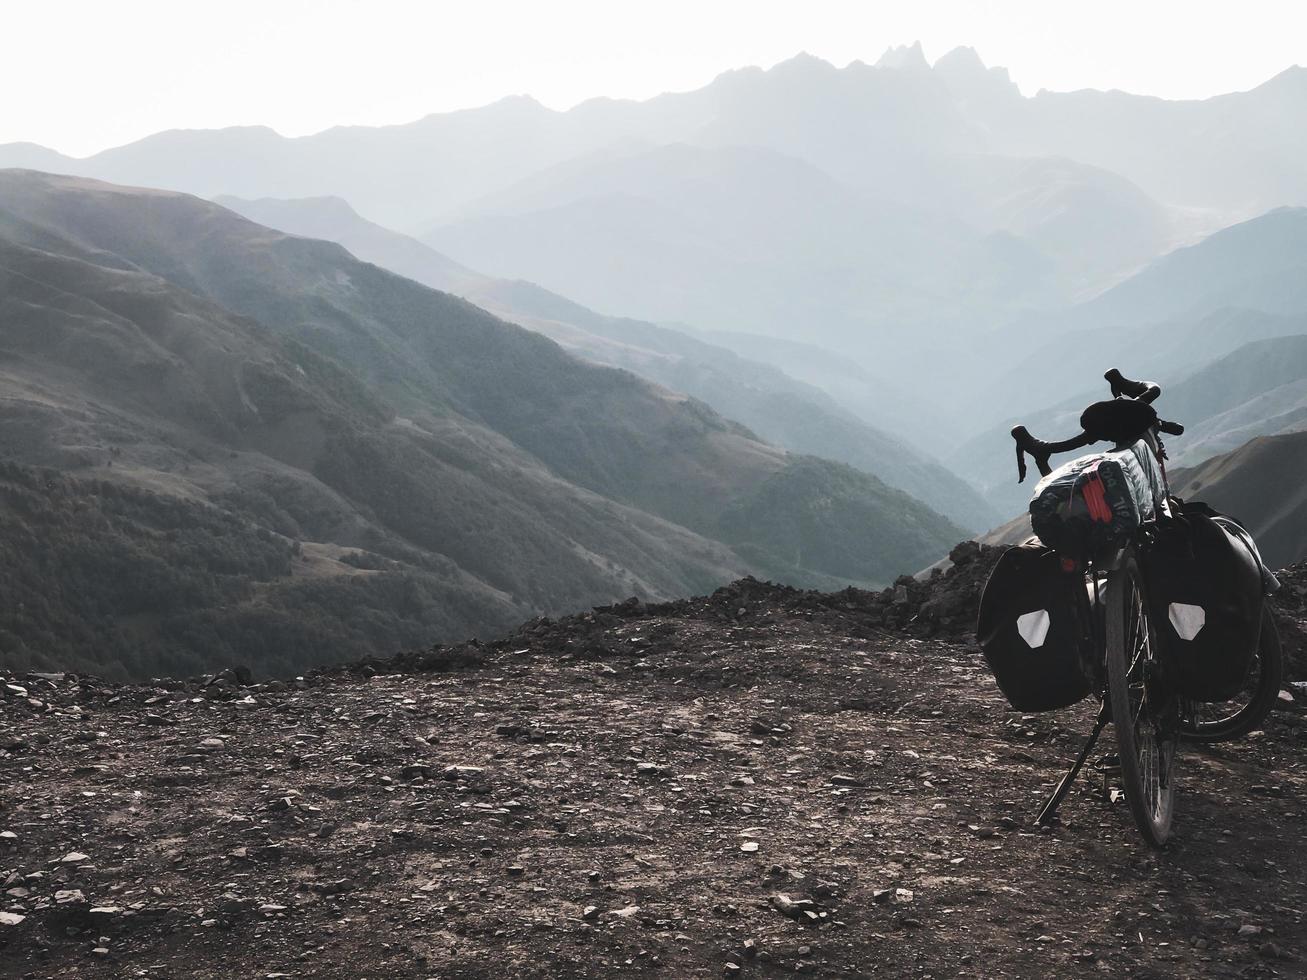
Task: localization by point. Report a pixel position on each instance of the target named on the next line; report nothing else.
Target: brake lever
(1024, 440)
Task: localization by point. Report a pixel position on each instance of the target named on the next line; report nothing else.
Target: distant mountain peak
(1292, 79)
(524, 104)
(804, 62)
(32, 156)
(960, 59)
(903, 56)
(512, 106)
(324, 204)
(963, 70)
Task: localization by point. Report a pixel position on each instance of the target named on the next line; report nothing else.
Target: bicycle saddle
(1118, 420)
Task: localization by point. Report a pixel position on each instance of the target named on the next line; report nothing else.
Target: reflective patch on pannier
(1188, 620)
(1033, 627)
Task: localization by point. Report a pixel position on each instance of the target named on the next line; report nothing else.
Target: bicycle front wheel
(1140, 709)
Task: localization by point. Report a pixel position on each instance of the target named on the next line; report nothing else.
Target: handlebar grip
(1145, 391)
(1041, 450)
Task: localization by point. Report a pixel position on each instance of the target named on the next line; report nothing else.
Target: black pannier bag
(1030, 632)
(1093, 505)
(1206, 588)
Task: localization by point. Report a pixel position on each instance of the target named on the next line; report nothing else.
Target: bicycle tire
(1270, 677)
(1147, 760)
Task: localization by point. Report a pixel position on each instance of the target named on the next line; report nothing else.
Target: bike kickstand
(1049, 810)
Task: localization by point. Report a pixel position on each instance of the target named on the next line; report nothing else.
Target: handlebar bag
(1093, 505)
(1031, 633)
(1205, 594)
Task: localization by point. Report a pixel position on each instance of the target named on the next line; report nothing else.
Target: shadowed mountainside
(788, 413)
(1262, 484)
(165, 344)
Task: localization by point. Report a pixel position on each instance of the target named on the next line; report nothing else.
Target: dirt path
(685, 794)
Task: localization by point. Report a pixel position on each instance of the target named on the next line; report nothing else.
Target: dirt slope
(1261, 483)
(758, 783)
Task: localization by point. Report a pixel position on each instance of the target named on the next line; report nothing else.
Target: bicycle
(1129, 672)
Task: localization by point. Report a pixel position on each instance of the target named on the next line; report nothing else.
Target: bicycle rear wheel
(1237, 717)
(1145, 737)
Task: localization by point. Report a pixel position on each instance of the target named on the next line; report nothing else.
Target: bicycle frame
(1113, 608)
(1089, 605)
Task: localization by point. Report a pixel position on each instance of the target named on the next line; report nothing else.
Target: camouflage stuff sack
(1093, 505)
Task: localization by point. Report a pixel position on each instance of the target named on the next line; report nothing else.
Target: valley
(313, 399)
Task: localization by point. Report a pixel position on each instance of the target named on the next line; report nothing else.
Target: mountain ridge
(434, 393)
(996, 232)
(791, 414)
(656, 118)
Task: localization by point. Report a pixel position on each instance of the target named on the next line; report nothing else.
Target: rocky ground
(757, 783)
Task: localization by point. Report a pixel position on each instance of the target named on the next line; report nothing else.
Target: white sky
(82, 75)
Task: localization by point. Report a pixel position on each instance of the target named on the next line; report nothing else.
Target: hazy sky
(81, 75)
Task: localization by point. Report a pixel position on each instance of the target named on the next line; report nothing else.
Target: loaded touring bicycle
(1153, 604)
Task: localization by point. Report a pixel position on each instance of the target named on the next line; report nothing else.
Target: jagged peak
(803, 61)
(961, 59)
(903, 56)
(744, 71)
(521, 102)
(963, 70)
(1290, 79)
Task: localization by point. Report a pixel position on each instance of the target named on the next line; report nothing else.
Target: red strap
(1095, 495)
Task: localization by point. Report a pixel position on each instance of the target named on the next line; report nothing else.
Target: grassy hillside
(117, 378)
(785, 412)
(161, 343)
(812, 514)
(108, 577)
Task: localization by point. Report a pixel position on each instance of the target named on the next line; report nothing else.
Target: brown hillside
(1264, 484)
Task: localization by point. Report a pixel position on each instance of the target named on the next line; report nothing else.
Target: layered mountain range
(1219, 324)
(901, 126)
(889, 212)
(781, 409)
(225, 441)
